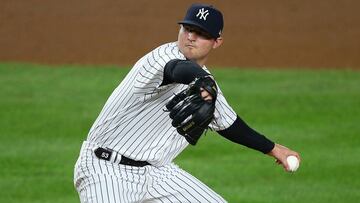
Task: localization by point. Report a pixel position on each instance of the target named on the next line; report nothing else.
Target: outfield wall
(258, 33)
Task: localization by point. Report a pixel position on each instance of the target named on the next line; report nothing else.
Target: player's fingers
(285, 165)
(281, 164)
(205, 94)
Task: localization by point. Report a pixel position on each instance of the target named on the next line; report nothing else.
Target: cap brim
(196, 24)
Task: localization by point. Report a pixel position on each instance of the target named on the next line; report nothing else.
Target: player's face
(196, 44)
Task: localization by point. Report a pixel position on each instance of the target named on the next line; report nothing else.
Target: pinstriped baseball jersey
(133, 121)
(128, 154)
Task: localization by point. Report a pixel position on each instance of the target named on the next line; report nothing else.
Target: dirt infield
(261, 33)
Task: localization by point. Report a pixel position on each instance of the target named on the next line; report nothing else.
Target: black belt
(105, 154)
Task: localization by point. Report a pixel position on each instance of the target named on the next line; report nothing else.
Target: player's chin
(189, 54)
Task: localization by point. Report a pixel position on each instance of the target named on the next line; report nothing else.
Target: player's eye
(188, 28)
(197, 31)
(203, 34)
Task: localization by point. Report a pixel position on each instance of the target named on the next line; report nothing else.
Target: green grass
(46, 112)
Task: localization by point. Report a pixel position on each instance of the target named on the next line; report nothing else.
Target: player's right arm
(241, 133)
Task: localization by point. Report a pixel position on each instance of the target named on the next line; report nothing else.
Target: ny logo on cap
(202, 14)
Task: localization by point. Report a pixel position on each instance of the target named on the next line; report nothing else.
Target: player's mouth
(190, 46)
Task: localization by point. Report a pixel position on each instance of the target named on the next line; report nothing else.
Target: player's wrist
(275, 151)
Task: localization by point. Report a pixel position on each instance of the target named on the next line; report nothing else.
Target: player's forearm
(239, 132)
(182, 71)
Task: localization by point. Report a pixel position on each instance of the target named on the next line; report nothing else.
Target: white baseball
(293, 163)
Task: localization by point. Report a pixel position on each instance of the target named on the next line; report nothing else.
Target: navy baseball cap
(206, 17)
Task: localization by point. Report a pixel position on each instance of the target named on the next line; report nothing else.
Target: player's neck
(201, 62)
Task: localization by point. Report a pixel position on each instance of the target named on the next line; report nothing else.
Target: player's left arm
(182, 71)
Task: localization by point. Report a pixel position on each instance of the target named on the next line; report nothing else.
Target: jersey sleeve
(150, 69)
(224, 115)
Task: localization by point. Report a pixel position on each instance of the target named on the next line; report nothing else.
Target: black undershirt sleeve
(239, 132)
(182, 71)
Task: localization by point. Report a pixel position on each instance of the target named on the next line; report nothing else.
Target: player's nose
(191, 36)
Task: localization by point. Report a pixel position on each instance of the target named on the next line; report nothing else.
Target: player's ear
(218, 41)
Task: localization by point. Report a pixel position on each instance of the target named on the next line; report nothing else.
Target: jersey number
(105, 155)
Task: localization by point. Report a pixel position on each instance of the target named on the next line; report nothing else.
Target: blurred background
(258, 33)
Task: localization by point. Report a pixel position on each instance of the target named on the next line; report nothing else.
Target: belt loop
(117, 157)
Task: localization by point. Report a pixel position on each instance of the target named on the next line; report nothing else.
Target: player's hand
(280, 153)
(205, 94)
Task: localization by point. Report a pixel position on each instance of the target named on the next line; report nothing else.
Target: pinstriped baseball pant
(100, 181)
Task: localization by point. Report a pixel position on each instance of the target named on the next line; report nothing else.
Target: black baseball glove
(190, 112)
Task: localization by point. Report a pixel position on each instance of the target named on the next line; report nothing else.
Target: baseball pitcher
(166, 102)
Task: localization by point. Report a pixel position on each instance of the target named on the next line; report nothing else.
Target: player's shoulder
(162, 54)
(170, 50)
(167, 45)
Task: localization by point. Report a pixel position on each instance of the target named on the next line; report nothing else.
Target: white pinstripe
(133, 124)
